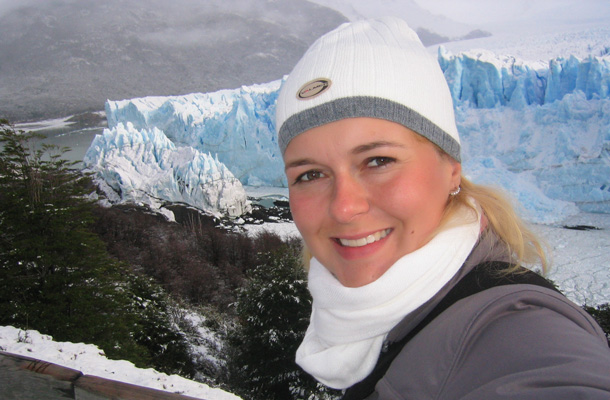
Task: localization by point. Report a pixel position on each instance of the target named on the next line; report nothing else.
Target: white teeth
(364, 241)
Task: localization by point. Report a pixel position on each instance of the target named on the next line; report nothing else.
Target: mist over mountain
(64, 57)
(432, 28)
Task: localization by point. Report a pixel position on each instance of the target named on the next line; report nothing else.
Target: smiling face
(364, 192)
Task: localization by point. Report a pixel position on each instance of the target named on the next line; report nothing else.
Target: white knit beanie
(374, 68)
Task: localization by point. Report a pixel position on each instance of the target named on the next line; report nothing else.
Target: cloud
(7, 6)
(489, 12)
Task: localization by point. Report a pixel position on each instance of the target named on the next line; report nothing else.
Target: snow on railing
(28, 378)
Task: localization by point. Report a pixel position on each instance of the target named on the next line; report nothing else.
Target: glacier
(539, 130)
(483, 79)
(145, 167)
(237, 126)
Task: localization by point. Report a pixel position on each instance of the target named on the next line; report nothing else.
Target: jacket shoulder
(502, 343)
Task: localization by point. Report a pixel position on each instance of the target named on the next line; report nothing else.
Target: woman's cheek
(302, 205)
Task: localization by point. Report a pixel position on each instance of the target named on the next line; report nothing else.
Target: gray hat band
(366, 106)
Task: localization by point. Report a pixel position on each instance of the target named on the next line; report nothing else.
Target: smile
(366, 240)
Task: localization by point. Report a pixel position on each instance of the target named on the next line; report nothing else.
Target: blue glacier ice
(539, 130)
(484, 80)
(553, 158)
(237, 126)
(145, 167)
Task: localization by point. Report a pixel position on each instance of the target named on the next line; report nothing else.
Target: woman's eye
(309, 176)
(377, 162)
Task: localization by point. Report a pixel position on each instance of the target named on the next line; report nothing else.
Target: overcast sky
(8, 5)
(483, 13)
(494, 11)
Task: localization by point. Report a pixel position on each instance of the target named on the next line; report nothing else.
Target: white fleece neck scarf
(348, 325)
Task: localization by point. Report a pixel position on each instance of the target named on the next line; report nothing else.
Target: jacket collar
(488, 248)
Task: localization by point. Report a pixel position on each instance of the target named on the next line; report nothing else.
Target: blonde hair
(524, 246)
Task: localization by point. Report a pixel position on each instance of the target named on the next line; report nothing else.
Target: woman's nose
(350, 199)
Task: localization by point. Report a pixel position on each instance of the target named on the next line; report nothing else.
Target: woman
(372, 157)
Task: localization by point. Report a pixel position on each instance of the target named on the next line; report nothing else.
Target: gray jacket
(508, 342)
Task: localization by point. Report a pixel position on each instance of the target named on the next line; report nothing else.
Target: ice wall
(145, 167)
(553, 158)
(485, 80)
(540, 130)
(237, 126)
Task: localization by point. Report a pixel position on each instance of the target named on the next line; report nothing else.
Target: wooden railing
(25, 378)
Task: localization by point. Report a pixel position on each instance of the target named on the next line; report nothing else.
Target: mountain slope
(65, 57)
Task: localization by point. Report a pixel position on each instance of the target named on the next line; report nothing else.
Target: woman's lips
(372, 238)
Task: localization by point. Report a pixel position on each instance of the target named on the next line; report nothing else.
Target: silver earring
(456, 191)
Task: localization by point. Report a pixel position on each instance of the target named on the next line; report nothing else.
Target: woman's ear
(456, 173)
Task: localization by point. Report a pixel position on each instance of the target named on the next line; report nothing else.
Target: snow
(90, 360)
(56, 123)
(579, 258)
(542, 47)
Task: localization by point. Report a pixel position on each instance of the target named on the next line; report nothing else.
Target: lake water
(65, 133)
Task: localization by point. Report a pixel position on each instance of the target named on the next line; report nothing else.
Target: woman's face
(364, 192)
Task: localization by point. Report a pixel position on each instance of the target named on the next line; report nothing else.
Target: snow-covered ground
(579, 258)
(90, 360)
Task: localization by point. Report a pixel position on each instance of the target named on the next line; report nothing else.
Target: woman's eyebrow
(356, 150)
(374, 145)
(299, 163)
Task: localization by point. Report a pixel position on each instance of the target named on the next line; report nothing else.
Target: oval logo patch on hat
(313, 88)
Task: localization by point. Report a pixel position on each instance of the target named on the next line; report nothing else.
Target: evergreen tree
(167, 346)
(601, 313)
(56, 275)
(273, 311)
